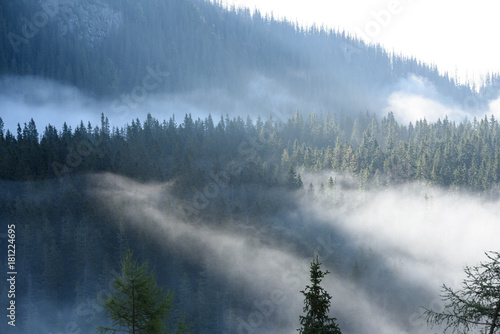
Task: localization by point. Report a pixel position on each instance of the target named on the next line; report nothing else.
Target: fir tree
(317, 305)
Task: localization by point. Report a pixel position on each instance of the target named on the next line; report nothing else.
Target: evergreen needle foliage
(476, 305)
(317, 305)
(139, 306)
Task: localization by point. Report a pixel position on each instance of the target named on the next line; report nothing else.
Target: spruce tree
(317, 305)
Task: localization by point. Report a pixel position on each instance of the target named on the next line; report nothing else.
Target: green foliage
(317, 305)
(139, 305)
(476, 305)
(199, 44)
(446, 154)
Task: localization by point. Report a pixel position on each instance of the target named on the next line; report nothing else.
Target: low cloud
(50, 102)
(410, 108)
(430, 230)
(47, 102)
(494, 108)
(415, 98)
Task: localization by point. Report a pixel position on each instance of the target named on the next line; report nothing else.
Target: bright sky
(455, 35)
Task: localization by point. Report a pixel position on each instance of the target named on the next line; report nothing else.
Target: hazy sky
(451, 34)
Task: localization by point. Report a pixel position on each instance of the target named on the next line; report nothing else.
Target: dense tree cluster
(443, 153)
(383, 152)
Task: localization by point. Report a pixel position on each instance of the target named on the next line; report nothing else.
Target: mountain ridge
(203, 45)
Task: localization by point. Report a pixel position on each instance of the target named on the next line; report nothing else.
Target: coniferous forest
(219, 174)
(376, 152)
(228, 205)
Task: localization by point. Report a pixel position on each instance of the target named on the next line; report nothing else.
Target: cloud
(415, 98)
(50, 102)
(410, 108)
(239, 257)
(425, 234)
(47, 102)
(494, 107)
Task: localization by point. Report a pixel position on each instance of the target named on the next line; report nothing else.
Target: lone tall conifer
(317, 305)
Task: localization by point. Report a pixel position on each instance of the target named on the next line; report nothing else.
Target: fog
(415, 98)
(49, 102)
(415, 239)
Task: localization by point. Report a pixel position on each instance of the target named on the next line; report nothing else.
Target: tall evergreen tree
(317, 305)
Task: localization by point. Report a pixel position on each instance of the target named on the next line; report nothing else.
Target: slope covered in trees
(106, 48)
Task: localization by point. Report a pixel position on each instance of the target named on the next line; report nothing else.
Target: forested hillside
(106, 47)
(221, 173)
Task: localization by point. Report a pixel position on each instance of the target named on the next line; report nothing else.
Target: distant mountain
(107, 48)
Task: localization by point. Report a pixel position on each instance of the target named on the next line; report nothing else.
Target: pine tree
(139, 305)
(316, 305)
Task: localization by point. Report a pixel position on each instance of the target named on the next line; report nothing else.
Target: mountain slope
(203, 46)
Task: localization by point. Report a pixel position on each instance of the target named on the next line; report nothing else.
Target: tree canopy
(375, 151)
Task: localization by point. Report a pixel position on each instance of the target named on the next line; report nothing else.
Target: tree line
(464, 155)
